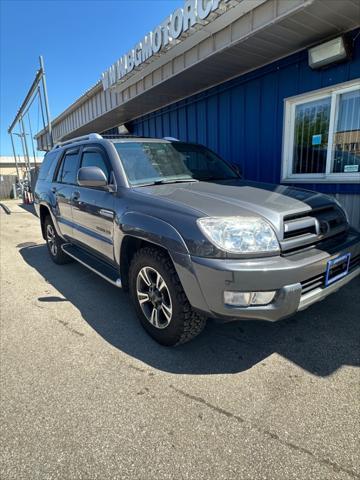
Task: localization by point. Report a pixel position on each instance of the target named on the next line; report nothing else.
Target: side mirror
(91, 177)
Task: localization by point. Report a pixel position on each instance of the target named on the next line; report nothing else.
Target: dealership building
(271, 85)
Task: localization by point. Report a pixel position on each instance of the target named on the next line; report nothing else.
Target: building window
(322, 136)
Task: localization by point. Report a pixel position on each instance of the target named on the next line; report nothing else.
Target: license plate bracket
(337, 268)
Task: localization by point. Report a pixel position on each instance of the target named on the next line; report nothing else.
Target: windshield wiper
(163, 182)
(207, 179)
(178, 180)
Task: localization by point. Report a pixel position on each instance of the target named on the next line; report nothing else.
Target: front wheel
(160, 301)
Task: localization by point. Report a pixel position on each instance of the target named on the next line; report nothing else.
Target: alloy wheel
(51, 239)
(154, 297)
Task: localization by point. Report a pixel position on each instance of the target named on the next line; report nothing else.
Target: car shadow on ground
(320, 339)
(28, 208)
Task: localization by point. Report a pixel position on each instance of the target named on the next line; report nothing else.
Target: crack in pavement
(69, 328)
(268, 433)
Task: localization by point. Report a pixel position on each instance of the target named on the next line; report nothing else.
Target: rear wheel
(160, 301)
(54, 242)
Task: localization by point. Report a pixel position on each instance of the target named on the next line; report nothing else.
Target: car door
(93, 208)
(63, 189)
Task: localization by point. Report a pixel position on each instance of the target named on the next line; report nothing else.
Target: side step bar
(92, 263)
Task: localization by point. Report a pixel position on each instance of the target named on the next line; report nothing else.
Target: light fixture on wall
(333, 51)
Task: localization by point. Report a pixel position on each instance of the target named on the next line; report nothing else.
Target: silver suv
(179, 228)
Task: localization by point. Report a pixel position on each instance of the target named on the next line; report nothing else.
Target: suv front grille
(299, 226)
(319, 280)
(308, 228)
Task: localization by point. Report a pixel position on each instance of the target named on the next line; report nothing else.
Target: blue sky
(78, 39)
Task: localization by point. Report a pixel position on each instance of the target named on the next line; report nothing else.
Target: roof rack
(121, 135)
(90, 136)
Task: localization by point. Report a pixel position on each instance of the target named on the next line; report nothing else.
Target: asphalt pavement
(86, 394)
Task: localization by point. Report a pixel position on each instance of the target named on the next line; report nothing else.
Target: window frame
(290, 105)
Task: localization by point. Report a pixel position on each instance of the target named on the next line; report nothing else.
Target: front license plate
(337, 268)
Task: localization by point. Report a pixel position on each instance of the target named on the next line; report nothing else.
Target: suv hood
(238, 197)
(299, 217)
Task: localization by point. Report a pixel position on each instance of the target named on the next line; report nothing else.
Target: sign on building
(193, 12)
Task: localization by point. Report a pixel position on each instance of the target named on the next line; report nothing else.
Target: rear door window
(48, 166)
(69, 168)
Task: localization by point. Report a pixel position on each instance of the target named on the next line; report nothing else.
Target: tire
(184, 323)
(54, 242)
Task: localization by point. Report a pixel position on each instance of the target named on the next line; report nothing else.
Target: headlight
(239, 234)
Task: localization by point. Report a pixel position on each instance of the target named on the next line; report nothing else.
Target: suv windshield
(148, 163)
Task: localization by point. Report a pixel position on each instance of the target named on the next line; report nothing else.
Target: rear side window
(68, 168)
(95, 159)
(48, 166)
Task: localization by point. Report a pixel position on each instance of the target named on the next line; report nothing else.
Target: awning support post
(47, 109)
(15, 158)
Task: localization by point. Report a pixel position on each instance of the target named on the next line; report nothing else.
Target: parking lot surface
(86, 394)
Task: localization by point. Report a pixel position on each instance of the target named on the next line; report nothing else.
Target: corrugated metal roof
(9, 160)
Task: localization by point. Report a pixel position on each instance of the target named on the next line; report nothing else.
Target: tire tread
(194, 322)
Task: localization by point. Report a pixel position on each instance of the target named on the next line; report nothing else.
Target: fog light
(246, 299)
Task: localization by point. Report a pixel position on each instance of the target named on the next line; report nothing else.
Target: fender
(159, 232)
(146, 227)
(47, 203)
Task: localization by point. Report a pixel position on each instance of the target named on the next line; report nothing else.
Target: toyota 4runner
(179, 228)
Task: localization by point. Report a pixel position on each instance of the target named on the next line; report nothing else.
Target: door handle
(75, 196)
(106, 213)
(53, 189)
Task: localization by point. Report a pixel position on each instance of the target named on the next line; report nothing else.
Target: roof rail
(171, 139)
(120, 135)
(90, 136)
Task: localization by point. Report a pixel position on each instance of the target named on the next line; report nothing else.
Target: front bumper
(299, 280)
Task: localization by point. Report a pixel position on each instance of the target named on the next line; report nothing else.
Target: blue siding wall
(242, 119)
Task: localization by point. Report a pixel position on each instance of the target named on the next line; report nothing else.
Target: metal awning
(242, 37)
